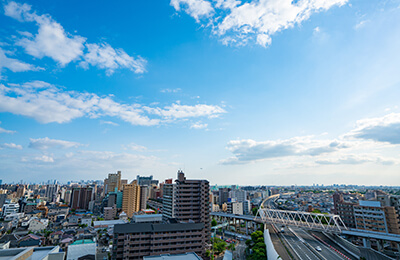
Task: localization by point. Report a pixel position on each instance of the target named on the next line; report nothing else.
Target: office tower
(144, 180)
(192, 203)
(131, 198)
(223, 195)
(115, 198)
(81, 197)
(168, 200)
(113, 182)
(67, 197)
(20, 191)
(51, 191)
(134, 241)
(239, 195)
(144, 191)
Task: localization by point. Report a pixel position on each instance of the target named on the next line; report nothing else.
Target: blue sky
(238, 92)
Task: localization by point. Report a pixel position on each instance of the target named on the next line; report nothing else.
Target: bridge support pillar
(398, 247)
(366, 243)
(247, 228)
(379, 244)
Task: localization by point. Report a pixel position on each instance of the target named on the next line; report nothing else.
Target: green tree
(213, 223)
(257, 246)
(254, 211)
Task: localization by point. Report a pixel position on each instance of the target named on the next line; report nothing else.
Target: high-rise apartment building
(369, 215)
(131, 198)
(51, 191)
(192, 203)
(113, 182)
(144, 194)
(187, 201)
(344, 209)
(81, 197)
(168, 200)
(146, 180)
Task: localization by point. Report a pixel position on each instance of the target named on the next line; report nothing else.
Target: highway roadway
(311, 243)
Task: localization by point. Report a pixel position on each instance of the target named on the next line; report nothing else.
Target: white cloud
(11, 146)
(108, 123)
(47, 103)
(177, 110)
(168, 90)
(249, 150)
(361, 24)
(18, 11)
(106, 57)
(5, 131)
(255, 20)
(353, 159)
(370, 141)
(198, 125)
(15, 65)
(134, 147)
(195, 8)
(380, 129)
(47, 143)
(44, 158)
(53, 41)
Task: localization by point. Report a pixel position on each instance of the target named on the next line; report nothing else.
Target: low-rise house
(12, 238)
(55, 237)
(86, 221)
(38, 225)
(30, 240)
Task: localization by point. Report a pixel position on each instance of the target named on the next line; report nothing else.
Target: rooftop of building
(83, 241)
(148, 227)
(187, 256)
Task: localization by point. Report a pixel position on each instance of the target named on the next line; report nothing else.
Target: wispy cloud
(168, 90)
(108, 123)
(11, 146)
(53, 41)
(5, 131)
(198, 125)
(361, 24)
(47, 143)
(106, 57)
(46, 103)
(15, 65)
(239, 23)
(134, 147)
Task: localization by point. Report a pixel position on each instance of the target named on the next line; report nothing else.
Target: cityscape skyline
(224, 95)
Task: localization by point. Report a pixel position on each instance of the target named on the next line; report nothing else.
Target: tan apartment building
(131, 198)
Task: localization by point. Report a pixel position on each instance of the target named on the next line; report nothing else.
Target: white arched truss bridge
(314, 221)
